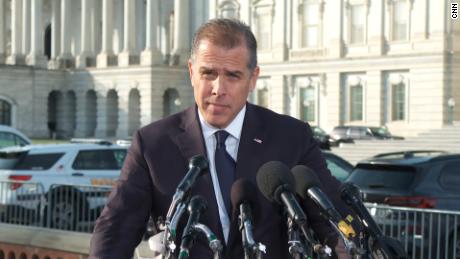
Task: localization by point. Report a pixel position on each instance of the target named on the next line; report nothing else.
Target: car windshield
(380, 131)
(37, 161)
(318, 131)
(388, 177)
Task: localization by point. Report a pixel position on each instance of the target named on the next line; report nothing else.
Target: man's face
(221, 81)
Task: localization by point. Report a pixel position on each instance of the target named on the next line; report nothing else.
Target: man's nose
(218, 86)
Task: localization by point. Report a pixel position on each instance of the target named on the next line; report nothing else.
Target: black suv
(418, 180)
(347, 133)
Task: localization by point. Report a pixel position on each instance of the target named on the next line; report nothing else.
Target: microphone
(244, 199)
(389, 248)
(197, 165)
(195, 208)
(277, 184)
(307, 186)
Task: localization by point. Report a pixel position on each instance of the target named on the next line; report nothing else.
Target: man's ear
(190, 69)
(254, 77)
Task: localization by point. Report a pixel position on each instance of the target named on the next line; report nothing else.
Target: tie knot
(221, 136)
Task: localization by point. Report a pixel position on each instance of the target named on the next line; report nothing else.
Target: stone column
(106, 57)
(36, 56)
(180, 51)
(128, 56)
(420, 11)
(2, 32)
(85, 53)
(16, 57)
(101, 128)
(376, 28)
(279, 51)
(123, 107)
(152, 54)
(25, 27)
(55, 28)
(65, 58)
(333, 26)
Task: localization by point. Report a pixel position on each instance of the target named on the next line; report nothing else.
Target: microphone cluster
(282, 186)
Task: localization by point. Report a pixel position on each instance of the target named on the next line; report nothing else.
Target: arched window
(5, 112)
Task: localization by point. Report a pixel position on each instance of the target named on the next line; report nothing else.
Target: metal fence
(423, 233)
(65, 207)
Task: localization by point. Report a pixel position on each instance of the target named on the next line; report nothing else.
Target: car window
(339, 172)
(99, 160)
(355, 132)
(388, 177)
(37, 161)
(8, 139)
(450, 176)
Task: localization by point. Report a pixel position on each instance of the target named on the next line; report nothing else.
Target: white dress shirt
(231, 143)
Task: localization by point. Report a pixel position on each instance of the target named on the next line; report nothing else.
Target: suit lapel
(250, 156)
(190, 142)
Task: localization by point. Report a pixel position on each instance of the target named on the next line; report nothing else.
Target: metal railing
(424, 233)
(65, 207)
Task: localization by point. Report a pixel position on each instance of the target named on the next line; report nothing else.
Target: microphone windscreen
(198, 161)
(272, 178)
(243, 191)
(198, 204)
(305, 178)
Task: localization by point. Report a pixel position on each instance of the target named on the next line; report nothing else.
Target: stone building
(103, 68)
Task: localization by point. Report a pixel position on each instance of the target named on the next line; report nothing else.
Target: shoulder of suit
(163, 126)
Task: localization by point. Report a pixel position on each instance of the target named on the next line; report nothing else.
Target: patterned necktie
(225, 167)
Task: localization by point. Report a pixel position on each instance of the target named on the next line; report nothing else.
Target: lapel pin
(258, 140)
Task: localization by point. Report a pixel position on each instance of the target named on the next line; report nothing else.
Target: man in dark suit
(223, 71)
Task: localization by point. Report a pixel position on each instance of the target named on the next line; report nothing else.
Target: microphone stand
(171, 226)
(214, 243)
(251, 248)
(296, 248)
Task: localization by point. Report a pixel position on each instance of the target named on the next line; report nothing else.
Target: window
(263, 28)
(262, 97)
(450, 178)
(229, 9)
(310, 24)
(357, 21)
(8, 139)
(5, 112)
(99, 160)
(37, 161)
(356, 102)
(307, 103)
(400, 20)
(398, 104)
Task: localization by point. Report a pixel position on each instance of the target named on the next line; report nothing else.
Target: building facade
(104, 68)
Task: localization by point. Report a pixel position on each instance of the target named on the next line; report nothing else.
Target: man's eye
(208, 75)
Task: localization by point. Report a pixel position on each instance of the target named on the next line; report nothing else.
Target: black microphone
(244, 200)
(195, 208)
(277, 184)
(197, 165)
(308, 186)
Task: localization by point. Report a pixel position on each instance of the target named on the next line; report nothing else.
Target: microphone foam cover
(198, 161)
(272, 178)
(305, 178)
(243, 191)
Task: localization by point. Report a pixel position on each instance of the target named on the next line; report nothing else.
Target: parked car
(10, 136)
(422, 179)
(65, 182)
(321, 137)
(349, 133)
(339, 167)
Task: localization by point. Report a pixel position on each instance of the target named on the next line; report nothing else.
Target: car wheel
(63, 213)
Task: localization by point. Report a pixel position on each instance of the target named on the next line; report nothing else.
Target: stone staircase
(445, 139)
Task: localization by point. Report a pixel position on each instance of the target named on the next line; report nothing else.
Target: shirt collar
(234, 128)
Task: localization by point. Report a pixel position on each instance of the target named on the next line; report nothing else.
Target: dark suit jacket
(158, 160)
